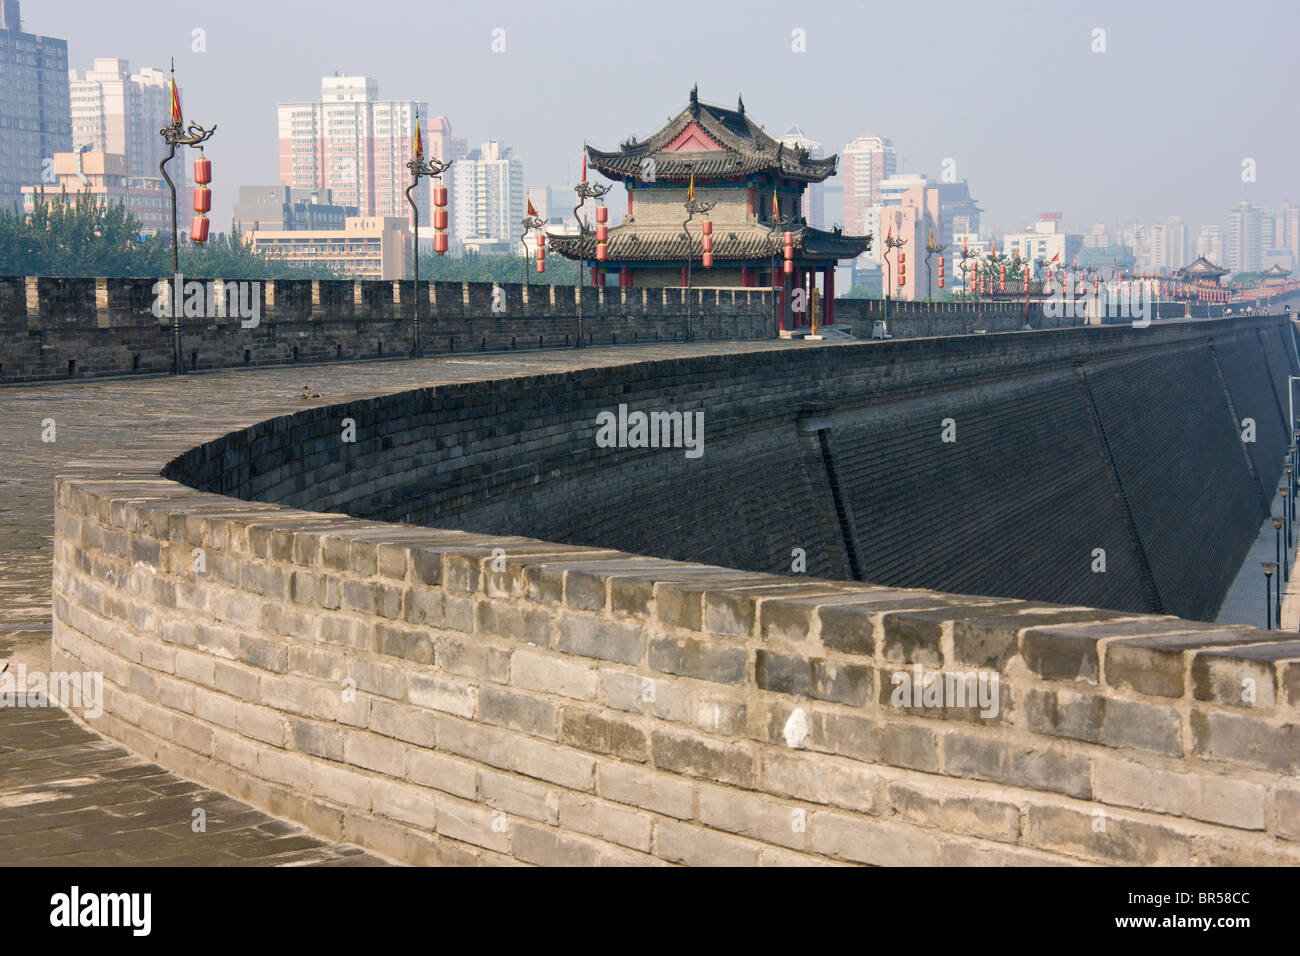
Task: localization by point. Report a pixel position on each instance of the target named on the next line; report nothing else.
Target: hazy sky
(1157, 125)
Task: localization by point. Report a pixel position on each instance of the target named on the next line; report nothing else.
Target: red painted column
(629, 202)
(751, 200)
(594, 273)
(625, 277)
(683, 277)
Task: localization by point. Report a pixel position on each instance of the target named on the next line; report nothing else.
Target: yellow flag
(690, 192)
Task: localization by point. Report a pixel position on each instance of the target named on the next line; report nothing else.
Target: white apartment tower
(356, 145)
(1242, 242)
(488, 194)
(117, 111)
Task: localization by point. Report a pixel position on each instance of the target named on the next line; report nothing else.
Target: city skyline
(1147, 157)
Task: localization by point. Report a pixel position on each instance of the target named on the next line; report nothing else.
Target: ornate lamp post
(419, 166)
(931, 250)
(529, 222)
(175, 135)
(890, 244)
(584, 191)
(692, 206)
(966, 265)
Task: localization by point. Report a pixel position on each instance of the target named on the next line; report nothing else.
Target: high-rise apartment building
(864, 164)
(34, 119)
(1162, 247)
(488, 198)
(1209, 244)
(1242, 242)
(356, 146)
(814, 197)
(116, 111)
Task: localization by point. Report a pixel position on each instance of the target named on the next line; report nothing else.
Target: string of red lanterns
(202, 199)
(602, 233)
(440, 219)
(707, 258)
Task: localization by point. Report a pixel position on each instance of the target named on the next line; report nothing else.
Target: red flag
(1055, 258)
(419, 141)
(584, 165)
(532, 210)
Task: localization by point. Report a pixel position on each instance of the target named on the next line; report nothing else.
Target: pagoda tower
(756, 184)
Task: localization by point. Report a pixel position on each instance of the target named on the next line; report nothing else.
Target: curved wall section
(455, 696)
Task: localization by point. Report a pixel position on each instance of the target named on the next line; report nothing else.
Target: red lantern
(708, 243)
(788, 238)
(708, 260)
(199, 229)
(789, 267)
(902, 257)
(541, 241)
(541, 266)
(440, 219)
(789, 254)
(602, 251)
(708, 227)
(940, 282)
(440, 243)
(602, 214)
(440, 196)
(202, 199)
(203, 170)
(602, 232)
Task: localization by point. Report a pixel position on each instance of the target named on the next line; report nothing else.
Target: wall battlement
(457, 696)
(59, 328)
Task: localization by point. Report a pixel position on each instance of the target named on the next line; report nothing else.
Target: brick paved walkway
(68, 796)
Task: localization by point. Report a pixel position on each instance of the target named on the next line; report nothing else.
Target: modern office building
(34, 118)
(283, 209)
(356, 145)
(367, 247)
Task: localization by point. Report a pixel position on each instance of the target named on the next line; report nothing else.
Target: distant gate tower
(744, 172)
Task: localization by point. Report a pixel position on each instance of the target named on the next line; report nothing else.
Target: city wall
(486, 691)
(61, 328)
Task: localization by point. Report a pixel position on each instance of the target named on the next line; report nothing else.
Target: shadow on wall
(1086, 466)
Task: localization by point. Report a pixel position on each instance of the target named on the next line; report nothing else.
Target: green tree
(472, 267)
(76, 237)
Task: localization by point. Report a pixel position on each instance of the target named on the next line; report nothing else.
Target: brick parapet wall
(584, 705)
(55, 328)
